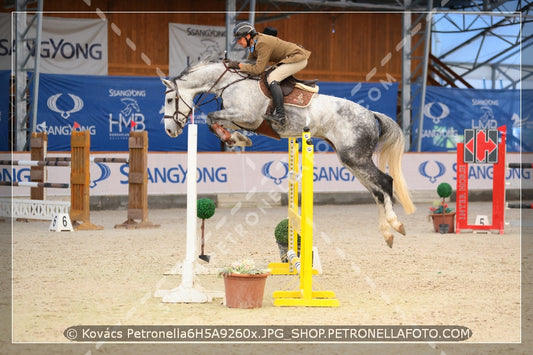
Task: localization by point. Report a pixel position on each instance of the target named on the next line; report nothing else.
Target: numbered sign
(482, 220)
(61, 222)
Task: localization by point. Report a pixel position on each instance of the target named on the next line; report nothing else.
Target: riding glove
(232, 64)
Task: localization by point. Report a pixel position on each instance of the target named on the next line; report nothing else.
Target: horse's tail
(390, 153)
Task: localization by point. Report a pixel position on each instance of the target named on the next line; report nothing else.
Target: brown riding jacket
(268, 49)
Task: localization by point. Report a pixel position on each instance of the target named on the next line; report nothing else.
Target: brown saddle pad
(292, 95)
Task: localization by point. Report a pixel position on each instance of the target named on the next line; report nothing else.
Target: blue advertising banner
(449, 111)
(380, 97)
(5, 77)
(109, 107)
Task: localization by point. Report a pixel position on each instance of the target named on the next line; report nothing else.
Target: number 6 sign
(61, 222)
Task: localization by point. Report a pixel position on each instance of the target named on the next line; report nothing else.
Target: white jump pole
(186, 292)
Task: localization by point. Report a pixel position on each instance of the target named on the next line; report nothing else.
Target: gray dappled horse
(354, 131)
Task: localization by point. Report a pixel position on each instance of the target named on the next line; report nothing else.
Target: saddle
(296, 92)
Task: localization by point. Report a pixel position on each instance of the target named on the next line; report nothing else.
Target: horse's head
(174, 119)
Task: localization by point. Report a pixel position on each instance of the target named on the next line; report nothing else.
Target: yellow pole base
(294, 298)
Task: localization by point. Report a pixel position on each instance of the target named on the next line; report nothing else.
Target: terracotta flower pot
(244, 291)
(444, 218)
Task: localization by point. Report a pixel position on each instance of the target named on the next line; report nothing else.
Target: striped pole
(524, 206)
(92, 159)
(520, 165)
(60, 161)
(34, 163)
(35, 184)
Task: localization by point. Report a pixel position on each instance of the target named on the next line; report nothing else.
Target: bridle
(179, 117)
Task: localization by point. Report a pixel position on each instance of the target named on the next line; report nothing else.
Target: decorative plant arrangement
(205, 209)
(244, 284)
(242, 267)
(281, 233)
(442, 215)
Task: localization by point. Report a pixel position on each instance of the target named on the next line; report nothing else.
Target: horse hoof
(241, 140)
(401, 229)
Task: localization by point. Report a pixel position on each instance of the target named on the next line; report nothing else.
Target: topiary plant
(281, 232)
(440, 212)
(444, 190)
(205, 209)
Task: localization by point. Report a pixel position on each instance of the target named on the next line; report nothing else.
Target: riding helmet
(242, 29)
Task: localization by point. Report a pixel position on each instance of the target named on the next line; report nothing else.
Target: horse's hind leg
(384, 226)
(388, 218)
(380, 186)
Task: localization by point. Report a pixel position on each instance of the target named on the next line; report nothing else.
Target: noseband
(178, 117)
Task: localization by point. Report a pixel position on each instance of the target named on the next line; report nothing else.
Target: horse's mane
(194, 67)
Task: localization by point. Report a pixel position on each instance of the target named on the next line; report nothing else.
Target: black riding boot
(277, 97)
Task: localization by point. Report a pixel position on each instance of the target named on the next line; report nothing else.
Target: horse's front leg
(218, 121)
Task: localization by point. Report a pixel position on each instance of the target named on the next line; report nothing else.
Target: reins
(203, 95)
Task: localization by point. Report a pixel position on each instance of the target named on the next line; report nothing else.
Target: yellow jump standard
(302, 224)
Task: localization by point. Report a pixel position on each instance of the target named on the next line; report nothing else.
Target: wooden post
(80, 147)
(38, 147)
(138, 182)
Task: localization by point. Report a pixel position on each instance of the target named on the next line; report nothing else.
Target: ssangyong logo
(65, 106)
(431, 173)
(268, 171)
(105, 172)
(77, 105)
(440, 111)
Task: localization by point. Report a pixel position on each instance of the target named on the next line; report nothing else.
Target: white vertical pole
(188, 263)
(186, 292)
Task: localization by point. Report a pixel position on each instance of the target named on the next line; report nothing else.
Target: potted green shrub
(443, 216)
(244, 284)
(281, 233)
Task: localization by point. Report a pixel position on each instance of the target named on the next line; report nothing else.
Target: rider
(288, 57)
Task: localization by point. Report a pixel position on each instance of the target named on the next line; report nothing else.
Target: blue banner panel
(379, 97)
(524, 125)
(109, 107)
(449, 111)
(5, 77)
